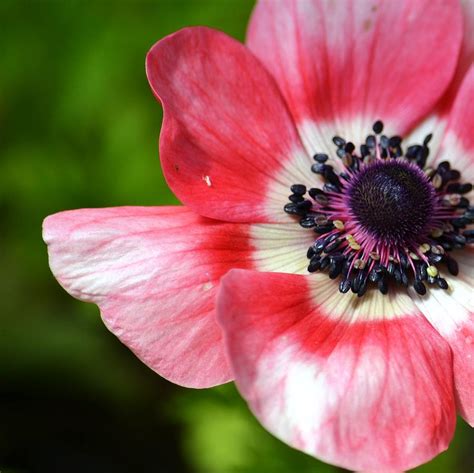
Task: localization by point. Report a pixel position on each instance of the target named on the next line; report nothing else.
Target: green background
(79, 128)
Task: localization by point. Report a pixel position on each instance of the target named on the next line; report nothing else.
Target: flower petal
(228, 145)
(342, 65)
(465, 61)
(361, 383)
(154, 272)
(436, 122)
(457, 145)
(452, 314)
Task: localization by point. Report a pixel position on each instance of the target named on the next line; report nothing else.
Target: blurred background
(79, 128)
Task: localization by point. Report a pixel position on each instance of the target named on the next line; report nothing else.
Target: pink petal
(363, 384)
(228, 146)
(342, 65)
(466, 59)
(452, 314)
(457, 145)
(154, 272)
(438, 119)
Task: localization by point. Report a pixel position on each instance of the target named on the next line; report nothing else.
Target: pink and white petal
(229, 148)
(154, 272)
(441, 113)
(465, 61)
(451, 313)
(457, 145)
(437, 121)
(365, 384)
(343, 65)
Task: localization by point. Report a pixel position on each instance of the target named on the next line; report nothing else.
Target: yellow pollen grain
(437, 232)
(339, 224)
(432, 271)
(354, 245)
(429, 172)
(424, 248)
(437, 250)
(437, 181)
(359, 264)
(414, 256)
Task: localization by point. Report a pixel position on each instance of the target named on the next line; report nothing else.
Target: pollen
(424, 248)
(437, 181)
(359, 264)
(354, 245)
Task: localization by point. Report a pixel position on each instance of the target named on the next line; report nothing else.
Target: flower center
(392, 200)
(384, 218)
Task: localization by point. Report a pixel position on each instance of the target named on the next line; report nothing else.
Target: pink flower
(367, 367)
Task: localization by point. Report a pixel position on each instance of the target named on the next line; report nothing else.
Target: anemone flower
(345, 316)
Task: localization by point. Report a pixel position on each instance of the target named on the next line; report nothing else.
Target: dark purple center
(392, 200)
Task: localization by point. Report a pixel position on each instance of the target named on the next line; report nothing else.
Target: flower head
(363, 366)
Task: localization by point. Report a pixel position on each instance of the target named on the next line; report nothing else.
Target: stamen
(384, 216)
